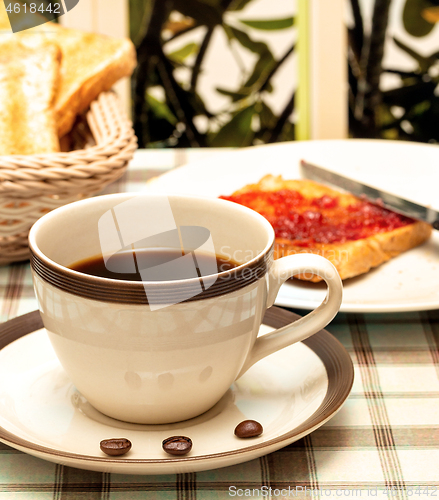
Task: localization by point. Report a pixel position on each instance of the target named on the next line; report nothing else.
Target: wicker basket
(30, 186)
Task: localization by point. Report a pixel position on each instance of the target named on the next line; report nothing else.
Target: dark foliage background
(170, 121)
(408, 112)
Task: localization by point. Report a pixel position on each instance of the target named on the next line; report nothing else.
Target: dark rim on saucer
(333, 355)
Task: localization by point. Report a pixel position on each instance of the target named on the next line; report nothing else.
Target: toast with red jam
(308, 217)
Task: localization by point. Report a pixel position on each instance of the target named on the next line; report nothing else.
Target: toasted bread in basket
(312, 218)
(91, 64)
(29, 77)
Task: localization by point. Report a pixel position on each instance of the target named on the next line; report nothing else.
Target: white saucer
(291, 393)
(405, 283)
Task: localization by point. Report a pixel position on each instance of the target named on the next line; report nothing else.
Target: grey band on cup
(165, 292)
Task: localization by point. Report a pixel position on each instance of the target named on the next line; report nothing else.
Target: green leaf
(269, 24)
(266, 115)
(201, 12)
(237, 132)
(421, 108)
(261, 70)
(140, 13)
(181, 54)
(161, 109)
(268, 87)
(412, 18)
(264, 64)
(247, 42)
(288, 132)
(236, 96)
(424, 62)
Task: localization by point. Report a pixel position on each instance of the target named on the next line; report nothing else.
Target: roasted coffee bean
(248, 429)
(177, 445)
(116, 446)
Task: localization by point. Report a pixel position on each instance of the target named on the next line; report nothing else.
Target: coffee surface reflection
(126, 265)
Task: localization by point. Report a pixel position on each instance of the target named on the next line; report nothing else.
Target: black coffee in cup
(125, 265)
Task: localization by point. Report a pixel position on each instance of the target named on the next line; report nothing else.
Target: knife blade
(374, 195)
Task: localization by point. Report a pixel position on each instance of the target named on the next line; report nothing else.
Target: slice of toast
(29, 77)
(312, 218)
(91, 63)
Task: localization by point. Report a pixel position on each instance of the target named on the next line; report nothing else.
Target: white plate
(291, 393)
(407, 282)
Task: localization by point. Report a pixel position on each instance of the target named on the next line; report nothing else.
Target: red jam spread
(306, 222)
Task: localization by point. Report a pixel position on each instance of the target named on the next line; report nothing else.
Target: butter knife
(374, 195)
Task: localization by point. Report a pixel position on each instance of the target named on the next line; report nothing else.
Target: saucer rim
(331, 352)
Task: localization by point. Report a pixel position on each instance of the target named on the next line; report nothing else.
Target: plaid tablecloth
(383, 443)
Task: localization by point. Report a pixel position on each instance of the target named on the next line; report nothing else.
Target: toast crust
(353, 257)
(29, 77)
(98, 64)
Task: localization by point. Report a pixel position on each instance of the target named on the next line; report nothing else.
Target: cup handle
(281, 270)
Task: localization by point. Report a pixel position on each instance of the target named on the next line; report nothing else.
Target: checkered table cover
(383, 443)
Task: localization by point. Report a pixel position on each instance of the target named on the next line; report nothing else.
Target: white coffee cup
(164, 351)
